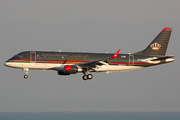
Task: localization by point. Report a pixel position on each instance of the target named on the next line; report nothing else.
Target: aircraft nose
(6, 63)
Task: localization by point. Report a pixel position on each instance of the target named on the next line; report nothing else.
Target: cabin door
(32, 56)
(131, 60)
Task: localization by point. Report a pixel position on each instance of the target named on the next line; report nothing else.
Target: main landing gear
(26, 71)
(88, 76)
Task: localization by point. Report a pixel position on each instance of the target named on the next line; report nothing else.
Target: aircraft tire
(85, 77)
(25, 76)
(89, 76)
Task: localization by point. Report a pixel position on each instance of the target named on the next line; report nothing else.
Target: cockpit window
(20, 55)
(15, 56)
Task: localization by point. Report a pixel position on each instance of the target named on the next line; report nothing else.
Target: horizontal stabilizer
(163, 58)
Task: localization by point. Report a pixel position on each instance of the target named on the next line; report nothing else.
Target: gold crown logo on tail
(155, 46)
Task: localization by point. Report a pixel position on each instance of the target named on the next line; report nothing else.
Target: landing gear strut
(26, 71)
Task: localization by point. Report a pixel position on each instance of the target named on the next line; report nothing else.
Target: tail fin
(159, 45)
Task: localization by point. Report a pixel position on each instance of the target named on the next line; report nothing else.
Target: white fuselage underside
(58, 67)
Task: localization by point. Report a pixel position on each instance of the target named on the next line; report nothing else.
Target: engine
(62, 73)
(68, 69)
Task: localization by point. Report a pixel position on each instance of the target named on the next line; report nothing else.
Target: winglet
(116, 54)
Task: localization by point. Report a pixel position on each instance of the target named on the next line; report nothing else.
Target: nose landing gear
(26, 71)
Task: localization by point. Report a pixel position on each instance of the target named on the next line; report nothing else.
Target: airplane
(66, 63)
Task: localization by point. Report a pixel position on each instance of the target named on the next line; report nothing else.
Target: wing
(99, 62)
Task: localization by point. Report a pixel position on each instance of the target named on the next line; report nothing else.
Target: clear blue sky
(88, 26)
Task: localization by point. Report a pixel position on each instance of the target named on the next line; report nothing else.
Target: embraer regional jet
(66, 63)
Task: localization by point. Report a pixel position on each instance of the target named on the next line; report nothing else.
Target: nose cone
(7, 64)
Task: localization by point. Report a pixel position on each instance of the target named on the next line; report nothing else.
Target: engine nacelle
(69, 69)
(62, 73)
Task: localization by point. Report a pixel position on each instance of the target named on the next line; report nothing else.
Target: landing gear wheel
(25, 76)
(26, 72)
(85, 77)
(89, 76)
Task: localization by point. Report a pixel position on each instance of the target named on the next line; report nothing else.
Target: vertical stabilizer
(159, 45)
